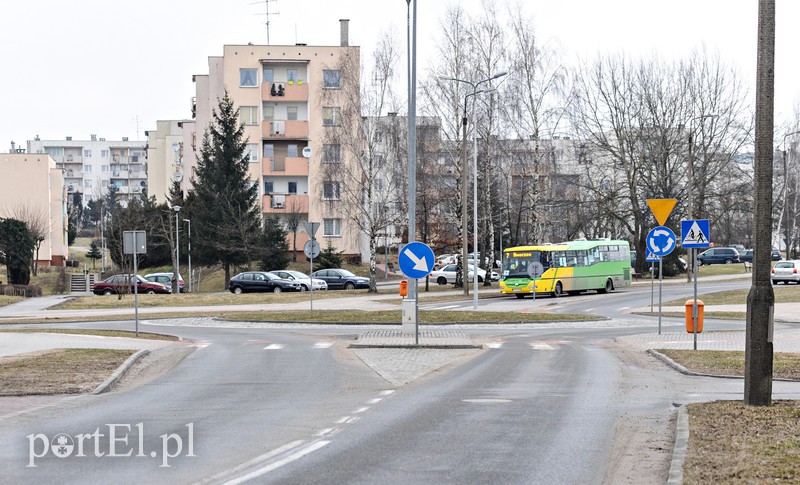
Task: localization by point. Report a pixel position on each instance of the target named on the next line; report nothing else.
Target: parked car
(739, 247)
(718, 256)
(124, 283)
(302, 278)
(746, 256)
(444, 260)
(447, 274)
(338, 278)
(166, 279)
(786, 271)
(260, 281)
(776, 254)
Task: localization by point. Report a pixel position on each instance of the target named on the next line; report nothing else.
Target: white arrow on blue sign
(416, 260)
(661, 241)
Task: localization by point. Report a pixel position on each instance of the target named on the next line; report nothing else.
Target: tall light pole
(786, 191)
(189, 222)
(464, 192)
(691, 270)
(175, 286)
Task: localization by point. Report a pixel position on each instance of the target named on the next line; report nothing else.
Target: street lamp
(175, 285)
(786, 190)
(464, 193)
(690, 165)
(189, 222)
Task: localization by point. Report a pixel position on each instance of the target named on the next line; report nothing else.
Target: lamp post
(691, 270)
(786, 190)
(189, 222)
(464, 192)
(175, 286)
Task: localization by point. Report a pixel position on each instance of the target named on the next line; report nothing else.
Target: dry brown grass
(730, 442)
(102, 333)
(7, 300)
(58, 371)
(785, 365)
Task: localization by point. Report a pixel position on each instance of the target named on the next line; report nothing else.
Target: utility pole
(761, 299)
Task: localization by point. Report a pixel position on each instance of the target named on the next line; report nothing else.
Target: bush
(26, 291)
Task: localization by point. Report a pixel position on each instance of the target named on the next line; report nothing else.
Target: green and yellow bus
(570, 267)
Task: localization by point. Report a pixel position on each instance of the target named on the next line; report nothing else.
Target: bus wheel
(559, 290)
(609, 287)
(520, 296)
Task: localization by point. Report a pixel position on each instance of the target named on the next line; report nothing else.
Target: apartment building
(92, 166)
(32, 190)
(287, 97)
(165, 158)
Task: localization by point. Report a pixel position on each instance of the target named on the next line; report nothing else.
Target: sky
(114, 68)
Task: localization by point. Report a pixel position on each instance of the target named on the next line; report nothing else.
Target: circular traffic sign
(535, 269)
(311, 249)
(416, 260)
(661, 241)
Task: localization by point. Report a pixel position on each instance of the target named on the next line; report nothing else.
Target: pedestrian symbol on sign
(695, 233)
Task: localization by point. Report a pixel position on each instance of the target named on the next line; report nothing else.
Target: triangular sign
(661, 208)
(695, 235)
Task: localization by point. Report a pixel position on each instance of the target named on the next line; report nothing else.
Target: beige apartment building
(32, 190)
(92, 166)
(287, 97)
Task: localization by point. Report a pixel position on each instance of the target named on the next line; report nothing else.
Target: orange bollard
(688, 306)
(404, 288)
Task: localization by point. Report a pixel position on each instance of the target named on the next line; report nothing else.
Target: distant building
(92, 166)
(286, 96)
(32, 190)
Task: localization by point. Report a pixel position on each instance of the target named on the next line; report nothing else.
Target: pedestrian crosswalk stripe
(273, 347)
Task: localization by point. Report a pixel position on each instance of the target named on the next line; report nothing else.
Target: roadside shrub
(26, 291)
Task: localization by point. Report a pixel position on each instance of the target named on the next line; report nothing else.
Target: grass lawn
(58, 371)
(783, 294)
(101, 333)
(7, 300)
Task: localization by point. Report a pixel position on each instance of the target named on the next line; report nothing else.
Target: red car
(122, 283)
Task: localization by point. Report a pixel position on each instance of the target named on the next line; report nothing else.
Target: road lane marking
(314, 446)
(342, 420)
(254, 461)
(495, 345)
(362, 409)
(541, 346)
(273, 347)
(387, 392)
(322, 345)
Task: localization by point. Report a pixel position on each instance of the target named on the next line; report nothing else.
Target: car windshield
(346, 273)
(298, 275)
(785, 264)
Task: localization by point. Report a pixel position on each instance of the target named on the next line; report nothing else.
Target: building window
(87, 184)
(87, 153)
(331, 79)
(330, 191)
(248, 115)
(332, 227)
(291, 75)
(104, 153)
(252, 152)
(291, 113)
(331, 153)
(269, 150)
(269, 75)
(330, 116)
(248, 78)
(87, 169)
(291, 150)
(293, 188)
(269, 113)
(104, 168)
(267, 187)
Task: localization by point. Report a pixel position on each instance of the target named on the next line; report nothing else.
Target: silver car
(302, 278)
(786, 271)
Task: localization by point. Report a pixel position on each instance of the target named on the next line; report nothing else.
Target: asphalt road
(553, 403)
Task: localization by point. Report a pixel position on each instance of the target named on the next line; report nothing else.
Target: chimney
(93, 137)
(344, 28)
(13, 147)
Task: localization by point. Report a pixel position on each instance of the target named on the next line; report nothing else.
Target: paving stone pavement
(785, 340)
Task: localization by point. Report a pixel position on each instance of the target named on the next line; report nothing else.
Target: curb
(413, 346)
(117, 375)
(683, 370)
(679, 449)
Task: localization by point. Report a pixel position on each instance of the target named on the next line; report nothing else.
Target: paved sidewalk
(785, 340)
(428, 339)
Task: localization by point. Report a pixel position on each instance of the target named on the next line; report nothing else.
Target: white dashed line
(375, 401)
(322, 345)
(494, 345)
(387, 392)
(275, 465)
(541, 346)
(342, 420)
(273, 347)
(362, 409)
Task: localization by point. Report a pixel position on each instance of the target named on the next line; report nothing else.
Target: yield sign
(661, 208)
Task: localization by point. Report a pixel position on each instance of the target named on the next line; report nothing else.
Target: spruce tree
(224, 205)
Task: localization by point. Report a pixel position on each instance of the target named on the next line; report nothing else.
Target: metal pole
(190, 254)
(660, 279)
(694, 306)
(475, 263)
(136, 280)
(690, 198)
(177, 285)
(652, 285)
(311, 272)
(464, 200)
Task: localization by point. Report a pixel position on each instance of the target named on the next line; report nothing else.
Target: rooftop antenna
(267, 13)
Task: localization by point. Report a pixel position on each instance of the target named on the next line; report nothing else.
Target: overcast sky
(112, 68)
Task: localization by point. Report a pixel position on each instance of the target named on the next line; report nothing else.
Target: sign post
(695, 234)
(311, 250)
(416, 261)
(135, 242)
(652, 258)
(661, 241)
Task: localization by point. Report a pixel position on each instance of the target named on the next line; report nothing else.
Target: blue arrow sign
(416, 260)
(695, 233)
(661, 241)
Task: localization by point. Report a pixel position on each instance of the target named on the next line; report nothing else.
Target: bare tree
(38, 221)
(295, 213)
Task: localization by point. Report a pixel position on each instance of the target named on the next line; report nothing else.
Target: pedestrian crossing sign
(695, 233)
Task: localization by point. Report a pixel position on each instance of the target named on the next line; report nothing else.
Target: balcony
(283, 91)
(117, 158)
(284, 129)
(295, 166)
(285, 203)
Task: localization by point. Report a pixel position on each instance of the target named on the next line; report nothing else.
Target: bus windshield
(517, 263)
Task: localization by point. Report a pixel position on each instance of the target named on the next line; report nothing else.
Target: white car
(786, 271)
(447, 274)
(301, 278)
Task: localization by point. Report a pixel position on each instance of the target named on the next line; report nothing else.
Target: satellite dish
(307, 152)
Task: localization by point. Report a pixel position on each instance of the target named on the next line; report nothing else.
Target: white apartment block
(92, 166)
